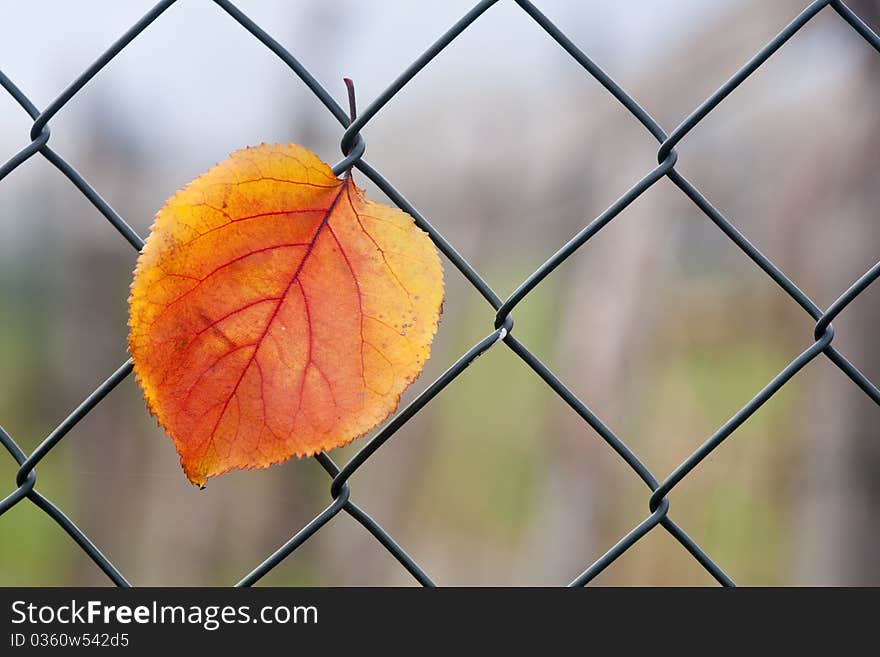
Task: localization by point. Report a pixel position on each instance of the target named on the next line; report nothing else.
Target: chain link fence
(502, 330)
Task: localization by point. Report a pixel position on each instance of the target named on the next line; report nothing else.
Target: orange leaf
(276, 311)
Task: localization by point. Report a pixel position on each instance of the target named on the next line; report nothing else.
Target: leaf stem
(352, 111)
(352, 106)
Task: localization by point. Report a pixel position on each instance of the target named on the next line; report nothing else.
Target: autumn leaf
(276, 311)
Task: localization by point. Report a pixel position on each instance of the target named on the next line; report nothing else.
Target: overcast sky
(194, 68)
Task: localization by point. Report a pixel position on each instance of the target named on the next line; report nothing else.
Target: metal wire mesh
(353, 147)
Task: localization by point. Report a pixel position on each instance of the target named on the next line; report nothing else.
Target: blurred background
(659, 324)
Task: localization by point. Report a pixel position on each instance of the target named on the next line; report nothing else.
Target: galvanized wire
(353, 148)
